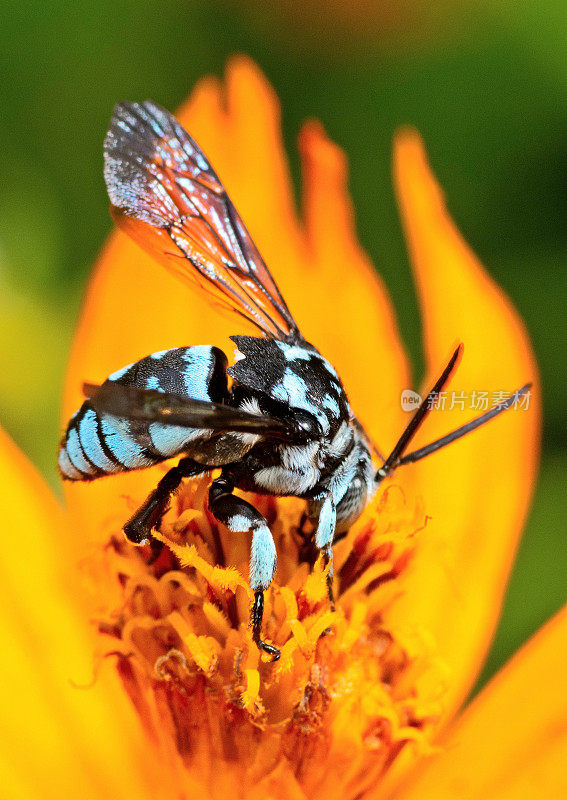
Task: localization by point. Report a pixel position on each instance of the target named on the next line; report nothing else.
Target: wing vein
(161, 183)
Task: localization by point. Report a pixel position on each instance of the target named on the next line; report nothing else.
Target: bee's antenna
(417, 455)
(416, 421)
(397, 459)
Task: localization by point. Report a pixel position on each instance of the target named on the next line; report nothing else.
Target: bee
(277, 421)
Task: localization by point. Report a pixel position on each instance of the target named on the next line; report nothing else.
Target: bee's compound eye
(307, 425)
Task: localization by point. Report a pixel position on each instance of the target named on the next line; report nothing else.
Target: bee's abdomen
(95, 446)
(92, 447)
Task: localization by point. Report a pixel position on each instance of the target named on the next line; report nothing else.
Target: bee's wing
(150, 405)
(166, 195)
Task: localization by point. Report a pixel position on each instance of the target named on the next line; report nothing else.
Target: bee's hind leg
(241, 517)
(149, 515)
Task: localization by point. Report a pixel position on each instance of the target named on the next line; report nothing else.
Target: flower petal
(134, 307)
(511, 743)
(477, 490)
(356, 325)
(58, 740)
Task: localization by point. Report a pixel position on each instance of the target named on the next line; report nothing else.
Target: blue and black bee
(282, 425)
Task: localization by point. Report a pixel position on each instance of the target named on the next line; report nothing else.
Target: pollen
(348, 693)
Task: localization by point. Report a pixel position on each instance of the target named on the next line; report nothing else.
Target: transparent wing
(149, 405)
(166, 195)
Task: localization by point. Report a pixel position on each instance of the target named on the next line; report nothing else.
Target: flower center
(345, 697)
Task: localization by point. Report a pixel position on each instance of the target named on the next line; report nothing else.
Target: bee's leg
(150, 514)
(241, 517)
(324, 535)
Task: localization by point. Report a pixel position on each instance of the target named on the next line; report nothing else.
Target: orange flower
(182, 704)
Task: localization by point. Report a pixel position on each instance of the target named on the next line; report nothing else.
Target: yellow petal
(511, 743)
(134, 307)
(356, 326)
(58, 740)
(478, 490)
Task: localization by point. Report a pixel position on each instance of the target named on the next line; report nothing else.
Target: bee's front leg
(241, 517)
(324, 535)
(149, 515)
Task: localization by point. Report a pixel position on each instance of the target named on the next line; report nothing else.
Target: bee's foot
(273, 651)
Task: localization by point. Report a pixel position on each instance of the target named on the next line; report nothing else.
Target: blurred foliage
(486, 84)
(537, 586)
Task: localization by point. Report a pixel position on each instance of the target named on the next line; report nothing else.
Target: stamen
(179, 629)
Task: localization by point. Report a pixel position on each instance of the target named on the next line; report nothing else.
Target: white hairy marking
(67, 467)
(263, 559)
(297, 353)
(195, 375)
(159, 354)
(330, 403)
(326, 523)
(119, 373)
(300, 457)
(75, 453)
(344, 475)
(247, 438)
(340, 441)
(329, 367)
(169, 440)
(123, 445)
(239, 523)
(296, 392)
(293, 352)
(252, 406)
(90, 442)
(279, 480)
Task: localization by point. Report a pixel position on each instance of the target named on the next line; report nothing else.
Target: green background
(486, 88)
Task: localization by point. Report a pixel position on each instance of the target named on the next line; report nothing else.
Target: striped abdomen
(94, 446)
